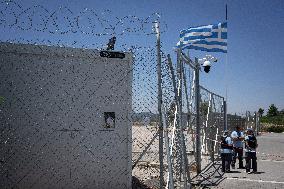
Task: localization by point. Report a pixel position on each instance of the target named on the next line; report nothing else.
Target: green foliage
(272, 111)
(277, 120)
(275, 129)
(260, 111)
(1, 100)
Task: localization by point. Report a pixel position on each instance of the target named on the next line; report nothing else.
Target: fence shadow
(211, 175)
(137, 184)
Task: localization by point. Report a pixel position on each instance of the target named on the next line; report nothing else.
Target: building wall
(234, 120)
(53, 130)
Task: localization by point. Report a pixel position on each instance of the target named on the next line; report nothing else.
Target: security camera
(206, 62)
(206, 65)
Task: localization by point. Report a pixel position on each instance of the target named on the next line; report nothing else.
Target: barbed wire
(63, 21)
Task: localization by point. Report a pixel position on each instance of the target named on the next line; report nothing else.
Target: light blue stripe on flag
(205, 49)
(211, 38)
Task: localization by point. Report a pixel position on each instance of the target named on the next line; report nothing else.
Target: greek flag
(210, 38)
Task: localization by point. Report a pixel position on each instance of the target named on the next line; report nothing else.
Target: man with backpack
(250, 151)
(238, 137)
(226, 151)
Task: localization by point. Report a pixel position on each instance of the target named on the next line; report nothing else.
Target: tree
(272, 111)
(260, 111)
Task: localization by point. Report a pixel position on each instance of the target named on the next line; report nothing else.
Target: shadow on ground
(137, 184)
(211, 175)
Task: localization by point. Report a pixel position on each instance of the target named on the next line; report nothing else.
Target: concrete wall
(52, 129)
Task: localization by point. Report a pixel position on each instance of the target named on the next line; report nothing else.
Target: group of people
(232, 146)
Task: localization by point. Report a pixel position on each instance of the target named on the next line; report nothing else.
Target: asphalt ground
(270, 163)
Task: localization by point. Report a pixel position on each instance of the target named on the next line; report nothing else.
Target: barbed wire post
(159, 72)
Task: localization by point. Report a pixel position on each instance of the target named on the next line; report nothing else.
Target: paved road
(270, 166)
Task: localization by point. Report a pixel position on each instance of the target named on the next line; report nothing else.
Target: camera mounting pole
(198, 129)
(196, 67)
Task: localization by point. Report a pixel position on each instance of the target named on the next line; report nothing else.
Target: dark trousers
(226, 161)
(251, 161)
(238, 152)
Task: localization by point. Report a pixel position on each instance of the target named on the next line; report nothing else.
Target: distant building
(235, 120)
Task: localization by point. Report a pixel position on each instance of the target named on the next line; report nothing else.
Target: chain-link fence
(73, 119)
(66, 112)
(252, 120)
(212, 115)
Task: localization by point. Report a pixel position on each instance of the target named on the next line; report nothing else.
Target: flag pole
(226, 79)
(226, 65)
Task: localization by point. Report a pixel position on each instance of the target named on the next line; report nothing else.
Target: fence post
(197, 103)
(186, 96)
(209, 118)
(159, 72)
(191, 108)
(176, 101)
(256, 123)
(225, 115)
(170, 180)
(183, 158)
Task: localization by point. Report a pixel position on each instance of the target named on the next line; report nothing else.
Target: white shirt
(238, 143)
(227, 151)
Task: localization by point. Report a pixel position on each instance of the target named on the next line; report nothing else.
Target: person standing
(237, 137)
(250, 151)
(226, 151)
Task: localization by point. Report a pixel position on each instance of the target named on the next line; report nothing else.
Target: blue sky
(255, 71)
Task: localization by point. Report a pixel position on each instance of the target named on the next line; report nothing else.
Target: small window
(109, 119)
